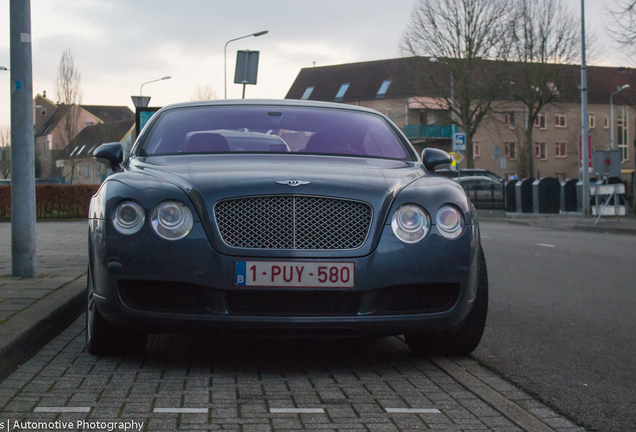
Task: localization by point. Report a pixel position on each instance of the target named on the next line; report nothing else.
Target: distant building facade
(385, 86)
(76, 160)
(53, 132)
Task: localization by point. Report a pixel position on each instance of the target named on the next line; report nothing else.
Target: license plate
(294, 274)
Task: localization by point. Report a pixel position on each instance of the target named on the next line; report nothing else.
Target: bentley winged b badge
(292, 183)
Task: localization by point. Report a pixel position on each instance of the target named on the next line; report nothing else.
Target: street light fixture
(148, 82)
(260, 33)
(618, 89)
(3, 68)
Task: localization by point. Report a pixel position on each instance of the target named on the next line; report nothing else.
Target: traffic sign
(459, 157)
(496, 151)
(459, 141)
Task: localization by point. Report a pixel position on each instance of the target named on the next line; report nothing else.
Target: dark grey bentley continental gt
(286, 218)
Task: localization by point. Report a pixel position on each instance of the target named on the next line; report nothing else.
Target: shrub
(54, 201)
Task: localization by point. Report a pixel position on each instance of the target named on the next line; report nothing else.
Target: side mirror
(435, 158)
(111, 154)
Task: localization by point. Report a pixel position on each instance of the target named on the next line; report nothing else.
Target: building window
(43, 112)
(509, 150)
(606, 123)
(307, 93)
(383, 88)
(560, 121)
(560, 150)
(509, 119)
(476, 150)
(540, 151)
(342, 91)
(540, 121)
(88, 170)
(591, 121)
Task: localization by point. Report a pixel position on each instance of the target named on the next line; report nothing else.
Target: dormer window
(342, 91)
(383, 88)
(307, 93)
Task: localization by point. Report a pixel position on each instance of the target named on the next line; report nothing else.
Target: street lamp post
(618, 89)
(261, 33)
(585, 175)
(148, 82)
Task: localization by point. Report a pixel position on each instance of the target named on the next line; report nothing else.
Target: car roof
(270, 102)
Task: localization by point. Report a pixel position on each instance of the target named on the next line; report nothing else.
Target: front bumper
(188, 285)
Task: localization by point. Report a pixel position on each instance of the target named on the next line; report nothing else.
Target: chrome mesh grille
(293, 222)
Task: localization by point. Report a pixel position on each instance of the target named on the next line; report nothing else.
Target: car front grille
(293, 222)
(293, 303)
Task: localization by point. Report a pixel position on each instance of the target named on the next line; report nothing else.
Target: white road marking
(296, 410)
(545, 245)
(62, 409)
(414, 410)
(181, 410)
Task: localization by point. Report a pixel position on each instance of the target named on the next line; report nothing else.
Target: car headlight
(172, 220)
(450, 222)
(128, 217)
(410, 223)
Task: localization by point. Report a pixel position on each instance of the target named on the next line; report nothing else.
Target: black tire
(101, 337)
(464, 339)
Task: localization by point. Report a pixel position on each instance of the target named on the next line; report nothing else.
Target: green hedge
(54, 201)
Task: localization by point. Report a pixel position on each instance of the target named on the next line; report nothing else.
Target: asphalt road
(562, 319)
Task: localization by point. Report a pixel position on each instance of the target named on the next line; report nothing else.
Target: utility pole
(585, 174)
(23, 255)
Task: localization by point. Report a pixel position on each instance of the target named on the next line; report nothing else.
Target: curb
(513, 412)
(597, 229)
(27, 332)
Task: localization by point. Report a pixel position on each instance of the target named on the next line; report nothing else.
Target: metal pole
(611, 122)
(584, 119)
(23, 237)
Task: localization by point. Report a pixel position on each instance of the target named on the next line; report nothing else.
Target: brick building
(386, 86)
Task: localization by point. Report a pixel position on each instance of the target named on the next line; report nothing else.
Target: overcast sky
(119, 44)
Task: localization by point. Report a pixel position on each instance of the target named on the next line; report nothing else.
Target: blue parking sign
(459, 142)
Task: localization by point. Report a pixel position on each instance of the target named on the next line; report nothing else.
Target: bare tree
(69, 95)
(545, 38)
(203, 92)
(622, 23)
(5, 151)
(461, 34)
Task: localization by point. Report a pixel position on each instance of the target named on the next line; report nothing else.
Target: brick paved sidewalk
(32, 311)
(194, 382)
(62, 258)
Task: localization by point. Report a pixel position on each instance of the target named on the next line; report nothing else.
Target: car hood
(210, 178)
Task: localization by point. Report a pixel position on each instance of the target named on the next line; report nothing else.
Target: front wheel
(464, 339)
(101, 337)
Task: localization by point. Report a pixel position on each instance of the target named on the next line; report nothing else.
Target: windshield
(223, 129)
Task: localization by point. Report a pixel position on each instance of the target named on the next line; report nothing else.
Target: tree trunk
(470, 161)
(529, 166)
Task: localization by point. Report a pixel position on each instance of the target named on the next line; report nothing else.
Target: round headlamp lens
(172, 220)
(410, 223)
(450, 222)
(171, 215)
(128, 217)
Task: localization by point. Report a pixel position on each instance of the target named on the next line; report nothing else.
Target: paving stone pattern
(62, 258)
(235, 384)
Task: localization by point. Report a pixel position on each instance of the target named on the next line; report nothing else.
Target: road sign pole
(23, 240)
